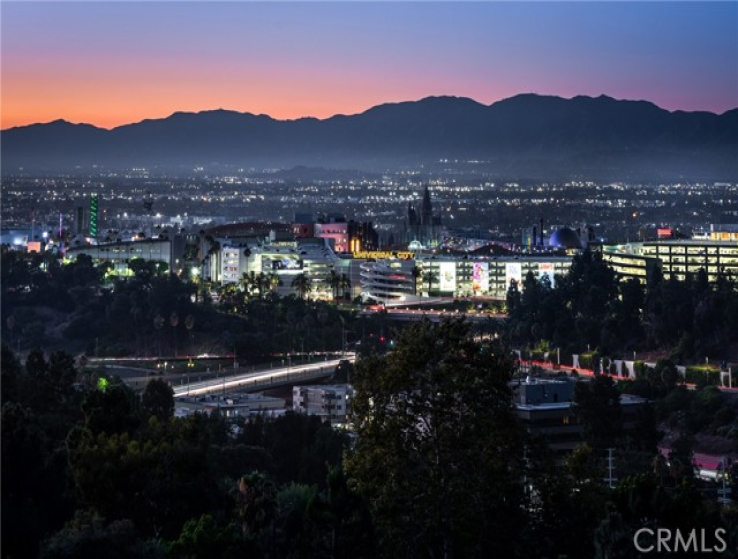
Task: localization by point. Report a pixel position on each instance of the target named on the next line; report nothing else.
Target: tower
(426, 210)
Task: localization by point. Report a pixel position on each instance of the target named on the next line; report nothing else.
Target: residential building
(329, 402)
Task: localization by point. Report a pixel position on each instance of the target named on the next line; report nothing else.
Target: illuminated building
(392, 279)
(389, 279)
(121, 253)
(631, 264)
(462, 276)
(335, 232)
(675, 257)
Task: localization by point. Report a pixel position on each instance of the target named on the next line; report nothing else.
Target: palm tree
(344, 284)
(174, 321)
(262, 284)
(158, 325)
(333, 280)
(301, 283)
(190, 324)
(274, 281)
(430, 277)
(416, 273)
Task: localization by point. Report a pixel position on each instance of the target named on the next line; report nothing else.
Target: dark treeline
(439, 468)
(590, 308)
(90, 469)
(79, 306)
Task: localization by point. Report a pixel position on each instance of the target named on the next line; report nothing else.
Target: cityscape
(426, 313)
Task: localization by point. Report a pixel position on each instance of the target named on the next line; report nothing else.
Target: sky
(113, 63)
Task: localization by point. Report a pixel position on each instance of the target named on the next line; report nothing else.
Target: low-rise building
(121, 253)
(229, 405)
(544, 407)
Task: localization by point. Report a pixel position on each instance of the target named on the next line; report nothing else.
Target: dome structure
(565, 238)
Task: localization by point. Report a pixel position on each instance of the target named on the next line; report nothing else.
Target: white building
(329, 402)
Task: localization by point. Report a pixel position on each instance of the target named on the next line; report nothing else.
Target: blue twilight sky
(110, 63)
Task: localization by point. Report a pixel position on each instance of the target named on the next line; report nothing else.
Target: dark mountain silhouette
(526, 135)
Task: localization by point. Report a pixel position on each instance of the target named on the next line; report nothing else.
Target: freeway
(434, 316)
(262, 379)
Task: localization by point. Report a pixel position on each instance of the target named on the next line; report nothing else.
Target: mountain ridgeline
(526, 136)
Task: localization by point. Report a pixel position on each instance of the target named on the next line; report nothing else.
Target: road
(262, 379)
(435, 316)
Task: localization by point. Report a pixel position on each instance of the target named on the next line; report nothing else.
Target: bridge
(260, 380)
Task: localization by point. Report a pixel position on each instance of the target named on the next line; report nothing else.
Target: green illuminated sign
(93, 215)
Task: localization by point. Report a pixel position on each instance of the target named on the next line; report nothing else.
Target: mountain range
(528, 136)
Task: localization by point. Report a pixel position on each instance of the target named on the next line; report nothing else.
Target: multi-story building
(681, 257)
(362, 236)
(465, 276)
(720, 232)
(676, 258)
(329, 402)
(336, 232)
(121, 253)
(231, 269)
(629, 263)
(404, 279)
(389, 279)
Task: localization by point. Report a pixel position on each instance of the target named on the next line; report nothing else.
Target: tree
(174, 322)
(301, 283)
(36, 365)
(189, 325)
(110, 410)
(11, 375)
(416, 273)
(158, 325)
(344, 284)
(333, 280)
(24, 519)
(157, 400)
(438, 448)
(429, 277)
(88, 535)
(274, 281)
(597, 406)
(203, 538)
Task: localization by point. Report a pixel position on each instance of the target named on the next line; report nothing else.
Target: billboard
(513, 271)
(480, 277)
(546, 269)
(274, 263)
(447, 276)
